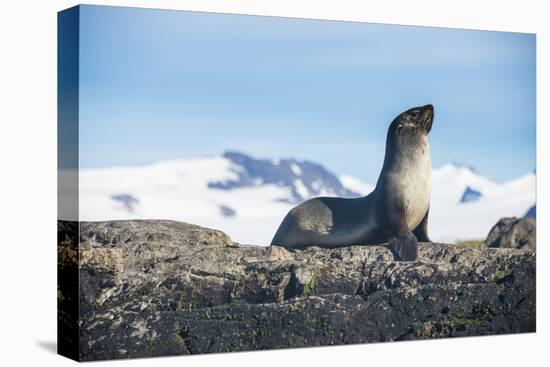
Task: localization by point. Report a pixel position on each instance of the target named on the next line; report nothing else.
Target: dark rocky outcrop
(517, 233)
(470, 195)
(152, 288)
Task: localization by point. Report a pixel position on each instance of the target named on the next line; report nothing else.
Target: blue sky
(158, 84)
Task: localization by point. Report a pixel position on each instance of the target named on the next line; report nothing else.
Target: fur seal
(395, 212)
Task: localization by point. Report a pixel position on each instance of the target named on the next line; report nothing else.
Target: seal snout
(427, 113)
(428, 109)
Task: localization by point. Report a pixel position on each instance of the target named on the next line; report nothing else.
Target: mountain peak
(304, 179)
(236, 156)
(464, 166)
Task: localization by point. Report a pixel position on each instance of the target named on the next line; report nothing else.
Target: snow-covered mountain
(248, 197)
(465, 205)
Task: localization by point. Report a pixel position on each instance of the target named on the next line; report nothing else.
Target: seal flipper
(404, 246)
(421, 232)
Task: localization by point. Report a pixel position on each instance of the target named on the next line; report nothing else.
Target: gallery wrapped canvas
(233, 183)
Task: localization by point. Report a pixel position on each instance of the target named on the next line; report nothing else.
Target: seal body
(395, 212)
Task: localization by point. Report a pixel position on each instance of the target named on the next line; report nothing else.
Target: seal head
(410, 125)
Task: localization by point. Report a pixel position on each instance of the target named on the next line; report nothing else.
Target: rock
(153, 288)
(513, 233)
(470, 195)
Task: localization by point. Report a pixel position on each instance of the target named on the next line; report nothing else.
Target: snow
(451, 220)
(356, 185)
(178, 190)
(316, 185)
(301, 189)
(450, 181)
(297, 170)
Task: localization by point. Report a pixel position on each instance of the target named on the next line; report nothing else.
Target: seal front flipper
(404, 246)
(421, 232)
